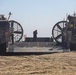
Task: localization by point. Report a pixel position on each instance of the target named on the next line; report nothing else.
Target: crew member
(35, 36)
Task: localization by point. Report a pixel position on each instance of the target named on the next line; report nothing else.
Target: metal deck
(33, 48)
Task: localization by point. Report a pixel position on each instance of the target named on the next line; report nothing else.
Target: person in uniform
(35, 36)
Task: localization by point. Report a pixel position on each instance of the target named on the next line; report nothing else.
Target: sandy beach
(46, 64)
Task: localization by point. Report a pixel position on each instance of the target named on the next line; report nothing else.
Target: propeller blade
(58, 36)
(59, 26)
(57, 30)
(18, 32)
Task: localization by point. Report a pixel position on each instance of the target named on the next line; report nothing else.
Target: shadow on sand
(26, 53)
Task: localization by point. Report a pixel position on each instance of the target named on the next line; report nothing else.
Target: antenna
(74, 14)
(73, 6)
(66, 16)
(9, 15)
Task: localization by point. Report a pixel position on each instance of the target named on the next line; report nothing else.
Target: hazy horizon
(37, 14)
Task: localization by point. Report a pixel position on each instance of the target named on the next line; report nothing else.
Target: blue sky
(37, 14)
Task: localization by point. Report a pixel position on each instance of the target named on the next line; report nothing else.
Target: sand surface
(47, 64)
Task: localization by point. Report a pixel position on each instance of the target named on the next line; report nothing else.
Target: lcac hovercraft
(64, 32)
(10, 32)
